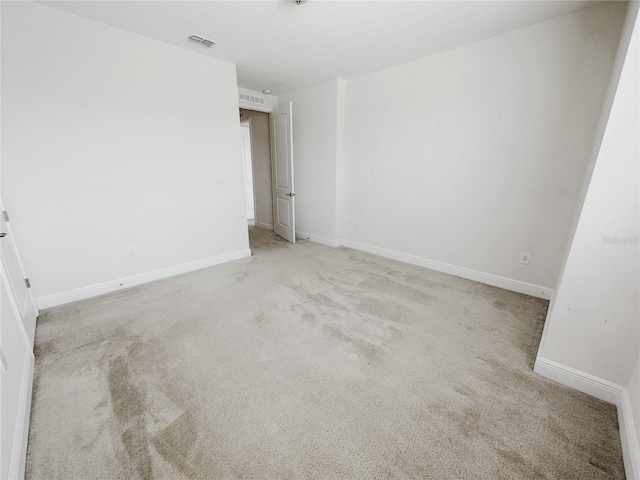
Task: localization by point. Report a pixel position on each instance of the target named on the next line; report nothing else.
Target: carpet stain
(468, 422)
(244, 275)
(365, 348)
(512, 457)
(465, 391)
(308, 317)
(395, 289)
(42, 350)
(129, 406)
(176, 444)
(324, 302)
(600, 466)
(259, 319)
(390, 311)
(136, 443)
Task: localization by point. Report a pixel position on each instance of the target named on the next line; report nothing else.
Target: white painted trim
(113, 285)
(486, 278)
(266, 226)
(584, 382)
(628, 437)
(318, 239)
(604, 390)
(21, 433)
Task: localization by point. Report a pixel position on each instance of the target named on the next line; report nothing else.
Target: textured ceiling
(283, 46)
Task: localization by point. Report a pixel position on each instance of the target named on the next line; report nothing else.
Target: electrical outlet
(131, 251)
(525, 257)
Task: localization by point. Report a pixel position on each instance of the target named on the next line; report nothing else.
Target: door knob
(3, 235)
(291, 194)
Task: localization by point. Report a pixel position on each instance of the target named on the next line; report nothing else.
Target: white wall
(111, 140)
(591, 338)
(474, 155)
(593, 326)
(261, 155)
(341, 125)
(315, 149)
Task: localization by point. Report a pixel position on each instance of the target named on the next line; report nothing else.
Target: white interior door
(245, 132)
(12, 268)
(17, 330)
(282, 165)
(15, 385)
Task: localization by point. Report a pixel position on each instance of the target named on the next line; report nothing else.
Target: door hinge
(27, 283)
(6, 215)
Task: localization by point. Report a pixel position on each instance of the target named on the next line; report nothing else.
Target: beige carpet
(308, 362)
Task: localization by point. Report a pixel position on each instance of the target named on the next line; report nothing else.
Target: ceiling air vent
(252, 98)
(202, 41)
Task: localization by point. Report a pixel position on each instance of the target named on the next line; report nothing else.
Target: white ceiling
(282, 46)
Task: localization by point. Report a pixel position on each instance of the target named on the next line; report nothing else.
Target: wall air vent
(252, 98)
(202, 41)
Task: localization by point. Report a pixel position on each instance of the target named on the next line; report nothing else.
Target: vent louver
(202, 41)
(252, 98)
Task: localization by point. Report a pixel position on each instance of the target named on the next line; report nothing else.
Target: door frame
(247, 121)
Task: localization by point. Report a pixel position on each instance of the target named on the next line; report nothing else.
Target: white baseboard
(486, 278)
(113, 285)
(21, 434)
(318, 239)
(607, 391)
(629, 437)
(266, 226)
(584, 382)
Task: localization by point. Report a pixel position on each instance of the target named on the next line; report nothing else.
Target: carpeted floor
(308, 362)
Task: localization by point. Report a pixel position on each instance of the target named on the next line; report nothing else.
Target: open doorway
(245, 133)
(255, 133)
(267, 141)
